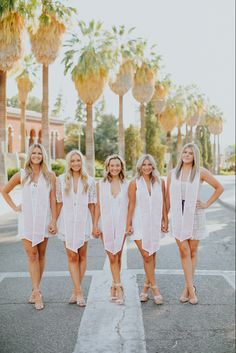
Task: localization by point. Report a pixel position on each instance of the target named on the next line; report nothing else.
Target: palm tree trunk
(186, 134)
(143, 127)
(121, 129)
(169, 150)
(90, 158)
(214, 155)
(218, 153)
(45, 115)
(3, 128)
(191, 134)
(22, 126)
(179, 141)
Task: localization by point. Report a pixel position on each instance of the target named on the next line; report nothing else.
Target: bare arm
(91, 207)
(168, 193)
(13, 182)
(164, 222)
(211, 180)
(97, 213)
(53, 204)
(59, 207)
(131, 207)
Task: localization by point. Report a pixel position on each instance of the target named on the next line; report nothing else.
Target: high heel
(80, 301)
(144, 296)
(183, 299)
(113, 297)
(158, 299)
(194, 301)
(38, 301)
(73, 298)
(120, 294)
(32, 298)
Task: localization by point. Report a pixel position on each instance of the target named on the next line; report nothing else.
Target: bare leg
(193, 244)
(73, 264)
(33, 263)
(82, 260)
(149, 263)
(42, 252)
(185, 256)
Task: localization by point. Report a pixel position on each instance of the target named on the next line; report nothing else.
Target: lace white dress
(92, 198)
(34, 193)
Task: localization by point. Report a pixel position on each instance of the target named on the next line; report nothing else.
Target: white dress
(34, 193)
(92, 198)
(199, 224)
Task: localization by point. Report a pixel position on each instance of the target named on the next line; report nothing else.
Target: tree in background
(71, 138)
(133, 147)
(106, 137)
(153, 142)
(57, 109)
(33, 103)
(202, 139)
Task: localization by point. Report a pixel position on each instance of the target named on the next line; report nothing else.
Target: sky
(195, 38)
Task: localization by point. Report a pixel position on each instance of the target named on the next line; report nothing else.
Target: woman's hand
(164, 225)
(129, 230)
(52, 228)
(18, 208)
(96, 232)
(201, 204)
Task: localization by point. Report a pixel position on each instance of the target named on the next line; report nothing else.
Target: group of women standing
(76, 209)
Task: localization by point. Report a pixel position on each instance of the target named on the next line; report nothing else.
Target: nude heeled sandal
(80, 301)
(113, 297)
(38, 301)
(158, 299)
(73, 298)
(194, 301)
(31, 298)
(183, 299)
(144, 296)
(120, 298)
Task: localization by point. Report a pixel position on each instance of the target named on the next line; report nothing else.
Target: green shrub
(58, 166)
(99, 169)
(11, 172)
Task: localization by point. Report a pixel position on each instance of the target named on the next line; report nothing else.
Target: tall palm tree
(195, 109)
(124, 78)
(161, 92)
(144, 84)
(25, 85)
(89, 62)
(11, 30)
(168, 121)
(46, 42)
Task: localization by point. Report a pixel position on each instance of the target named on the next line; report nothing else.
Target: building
(33, 132)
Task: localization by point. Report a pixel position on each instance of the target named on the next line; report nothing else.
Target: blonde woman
(37, 213)
(187, 211)
(112, 205)
(76, 198)
(147, 219)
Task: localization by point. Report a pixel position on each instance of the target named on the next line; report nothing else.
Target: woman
(147, 218)
(187, 211)
(112, 205)
(76, 198)
(37, 213)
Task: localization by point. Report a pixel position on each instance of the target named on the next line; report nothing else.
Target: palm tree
(25, 85)
(144, 84)
(45, 44)
(12, 15)
(90, 62)
(124, 78)
(195, 110)
(214, 121)
(168, 121)
(159, 97)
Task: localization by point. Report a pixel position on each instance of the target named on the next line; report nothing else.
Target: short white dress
(34, 194)
(199, 224)
(92, 198)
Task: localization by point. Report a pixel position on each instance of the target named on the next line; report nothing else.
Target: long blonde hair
(155, 175)
(107, 175)
(68, 174)
(196, 161)
(44, 165)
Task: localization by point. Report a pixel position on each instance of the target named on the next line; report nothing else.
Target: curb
(227, 205)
